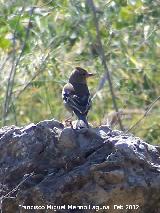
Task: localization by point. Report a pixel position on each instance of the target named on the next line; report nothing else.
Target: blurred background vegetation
(42, 41)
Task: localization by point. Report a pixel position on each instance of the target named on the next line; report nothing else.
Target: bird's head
(80, 75)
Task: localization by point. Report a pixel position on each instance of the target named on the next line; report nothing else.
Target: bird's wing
(80, 104)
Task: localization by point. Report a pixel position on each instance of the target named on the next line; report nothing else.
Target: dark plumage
(76, 95)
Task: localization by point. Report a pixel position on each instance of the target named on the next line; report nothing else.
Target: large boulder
(46, 167)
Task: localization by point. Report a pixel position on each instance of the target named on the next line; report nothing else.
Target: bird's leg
(82, 122)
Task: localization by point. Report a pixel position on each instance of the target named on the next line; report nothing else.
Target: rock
(46, 166)
(51, 124)
(67, 139)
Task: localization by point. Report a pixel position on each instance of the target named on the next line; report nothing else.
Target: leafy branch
(144, 115)
(106, 75)
(15, 62)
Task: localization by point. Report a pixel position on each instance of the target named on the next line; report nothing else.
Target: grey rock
(46, 166)
(67, 139)
(51, 124)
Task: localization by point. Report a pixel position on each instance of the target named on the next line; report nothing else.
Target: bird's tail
(84, 119)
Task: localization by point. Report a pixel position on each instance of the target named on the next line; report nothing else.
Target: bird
(76, 96)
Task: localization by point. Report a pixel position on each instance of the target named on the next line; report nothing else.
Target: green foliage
(60, 35)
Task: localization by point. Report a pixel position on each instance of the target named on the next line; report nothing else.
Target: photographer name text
(79, 207)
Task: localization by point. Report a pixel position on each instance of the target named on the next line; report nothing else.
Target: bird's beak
(90, 74)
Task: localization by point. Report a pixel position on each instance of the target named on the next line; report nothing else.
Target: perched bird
(75, 94)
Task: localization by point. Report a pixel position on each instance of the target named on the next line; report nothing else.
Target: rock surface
(46, 167)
